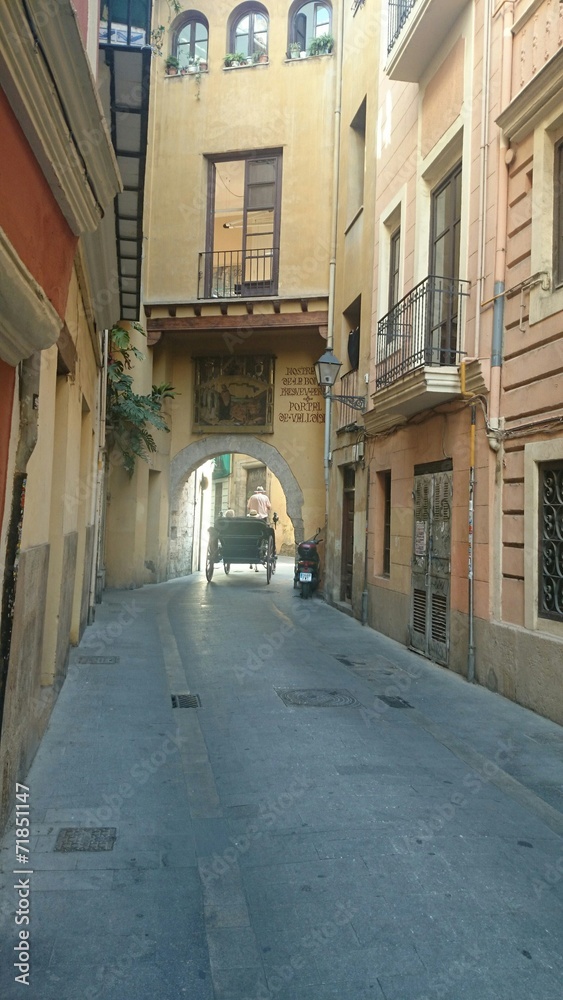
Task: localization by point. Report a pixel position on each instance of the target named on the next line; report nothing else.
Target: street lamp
(326, 370)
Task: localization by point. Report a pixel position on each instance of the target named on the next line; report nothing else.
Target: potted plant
(321, 46)
(234, 59)
(194, 65)
(294, 50)
(172, 65)
(262, 57)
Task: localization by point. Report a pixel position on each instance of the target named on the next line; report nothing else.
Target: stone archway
(187, 460)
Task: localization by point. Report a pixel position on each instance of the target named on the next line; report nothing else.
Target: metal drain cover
(394, 702)
(98, 659)
(77, 838)
(186, 701)
(316, 698)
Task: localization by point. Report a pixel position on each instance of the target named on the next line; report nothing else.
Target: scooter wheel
(305, 590)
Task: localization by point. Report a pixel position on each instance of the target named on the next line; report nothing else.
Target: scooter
(308, 566)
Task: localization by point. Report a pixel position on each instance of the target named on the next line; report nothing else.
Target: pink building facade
(464, 429)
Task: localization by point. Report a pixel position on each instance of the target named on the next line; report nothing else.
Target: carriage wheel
(227, 568)
(269, 560)
(209, 564)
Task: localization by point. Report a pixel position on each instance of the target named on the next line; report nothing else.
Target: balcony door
(242, 254)
(442, 346)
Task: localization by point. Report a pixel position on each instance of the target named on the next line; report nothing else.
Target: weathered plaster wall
(25, 710)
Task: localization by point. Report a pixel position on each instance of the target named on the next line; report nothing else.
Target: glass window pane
(322, 21)
(440, 213)
(184, 45)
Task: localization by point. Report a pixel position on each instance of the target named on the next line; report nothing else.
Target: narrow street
(396, 835)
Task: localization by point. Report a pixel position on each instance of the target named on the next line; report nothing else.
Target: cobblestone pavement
(395, 835)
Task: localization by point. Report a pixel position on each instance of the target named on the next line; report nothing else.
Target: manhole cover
(393, 701)
(98, 659)
(76, 838)
(186, 701)
(316, 698)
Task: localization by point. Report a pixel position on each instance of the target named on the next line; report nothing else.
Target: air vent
(419, 611)
(439, 618)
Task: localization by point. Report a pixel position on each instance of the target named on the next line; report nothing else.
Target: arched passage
(187, 460)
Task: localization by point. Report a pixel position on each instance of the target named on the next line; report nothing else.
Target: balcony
(417, 352)
(347, 416)
(227, 274)
(416, 31)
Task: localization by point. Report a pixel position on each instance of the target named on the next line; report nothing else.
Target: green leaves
(129, 414)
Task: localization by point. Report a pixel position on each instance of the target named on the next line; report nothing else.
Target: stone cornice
(52, 92)
(28, 321)
(535, 100)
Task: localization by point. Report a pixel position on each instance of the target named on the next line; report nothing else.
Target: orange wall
(29, 214)
(7, 382)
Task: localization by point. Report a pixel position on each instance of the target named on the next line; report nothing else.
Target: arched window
(308, 21)
(191, 39)
(249, 30)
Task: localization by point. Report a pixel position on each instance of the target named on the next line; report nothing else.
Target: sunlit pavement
(324, 816)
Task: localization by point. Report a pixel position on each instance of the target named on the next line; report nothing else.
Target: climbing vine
(157, 34)
(129, 415)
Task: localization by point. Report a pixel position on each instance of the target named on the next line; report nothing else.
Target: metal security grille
(550, 598)
(92, 839)
(430, 601)
(186, 701)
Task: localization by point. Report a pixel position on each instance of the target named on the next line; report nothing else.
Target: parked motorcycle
(308, 566)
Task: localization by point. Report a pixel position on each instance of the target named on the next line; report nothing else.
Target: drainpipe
(470, 567)
(99, 481)
(334, 233)
(365, 593)
(501, 222)
(484, 162)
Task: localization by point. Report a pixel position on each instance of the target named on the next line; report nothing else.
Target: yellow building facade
(239, 217)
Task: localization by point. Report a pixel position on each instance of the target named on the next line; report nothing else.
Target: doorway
(348, 505)
(430, 599)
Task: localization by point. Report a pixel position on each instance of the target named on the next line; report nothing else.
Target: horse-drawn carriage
(243, 540)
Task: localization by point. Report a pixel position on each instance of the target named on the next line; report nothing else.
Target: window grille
(550, 598)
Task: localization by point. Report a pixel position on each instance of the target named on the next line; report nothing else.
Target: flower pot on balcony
(172, 66)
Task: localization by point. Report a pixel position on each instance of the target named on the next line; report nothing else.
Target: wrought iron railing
(398, 12)
(348, 386)
(226, 274)
(421, 329)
